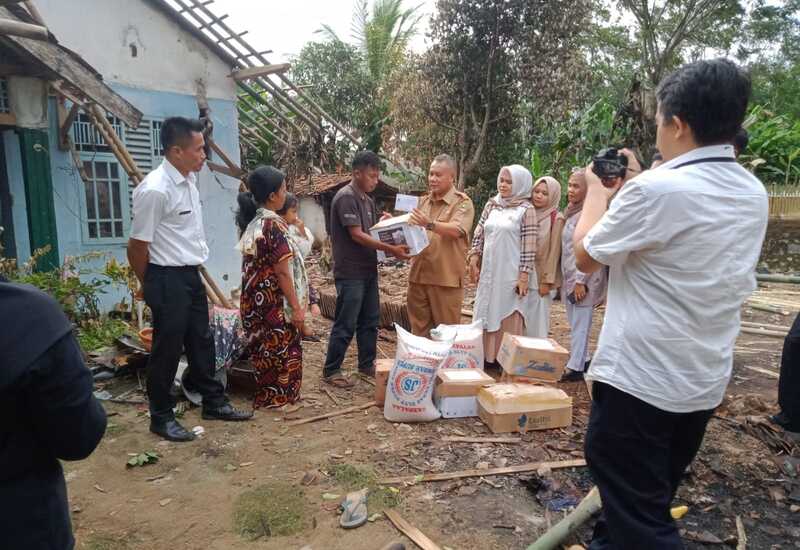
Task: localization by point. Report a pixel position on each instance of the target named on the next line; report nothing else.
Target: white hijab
(521, 186)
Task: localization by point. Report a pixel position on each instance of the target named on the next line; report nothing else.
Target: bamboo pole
(778, 278)
(11, 27)
(261, 127)
(589, 506)
(101, 116)
(252, 93)
(123, 161)
(222, 298)
(260, 57)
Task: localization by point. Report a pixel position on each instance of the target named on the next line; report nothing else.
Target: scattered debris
(97, 487)
(198, 430)
(102, 395)
(505, 440)
(164, 502)
(678, 512)
(703, 537)
(556, 534)
(309, 478)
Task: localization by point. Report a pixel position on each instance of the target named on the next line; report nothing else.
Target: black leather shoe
(172, 431)
(226, 412)
(785, 422)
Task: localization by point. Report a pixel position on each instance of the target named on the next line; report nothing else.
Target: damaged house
(119, 66)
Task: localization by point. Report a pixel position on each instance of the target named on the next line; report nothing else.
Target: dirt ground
(187, 499)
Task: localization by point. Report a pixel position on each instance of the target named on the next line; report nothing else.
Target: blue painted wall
(217, 192)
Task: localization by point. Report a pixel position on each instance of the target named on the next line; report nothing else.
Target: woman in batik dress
(272, 314)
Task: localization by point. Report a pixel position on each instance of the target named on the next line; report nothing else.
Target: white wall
(168, 59)
(310, 211)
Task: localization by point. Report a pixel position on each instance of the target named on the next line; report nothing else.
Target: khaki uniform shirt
(443, 262)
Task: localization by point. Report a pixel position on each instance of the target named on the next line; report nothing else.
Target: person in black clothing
(355, 270)
(47, 414)
(789, 381)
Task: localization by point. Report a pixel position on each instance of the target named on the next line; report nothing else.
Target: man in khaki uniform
(436, 281)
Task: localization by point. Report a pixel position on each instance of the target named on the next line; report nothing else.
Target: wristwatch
(430, 225)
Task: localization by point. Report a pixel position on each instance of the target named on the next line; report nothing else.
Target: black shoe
(572, 376)
(586, 366)
(226, 412)
(171, 430)
(784, 422)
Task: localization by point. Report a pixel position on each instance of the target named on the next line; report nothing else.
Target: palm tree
(383, 36)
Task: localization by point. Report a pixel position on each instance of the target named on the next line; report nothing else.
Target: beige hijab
(545, 216)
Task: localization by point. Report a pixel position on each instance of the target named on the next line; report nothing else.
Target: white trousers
(580, 322)
(539, 326)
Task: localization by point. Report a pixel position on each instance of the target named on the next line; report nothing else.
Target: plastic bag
(467, 350)
(409, 393)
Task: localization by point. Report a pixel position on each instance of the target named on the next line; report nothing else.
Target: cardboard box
(382, 369)
(398, 231)
(455, 394)
(538, 358)
(523, 407)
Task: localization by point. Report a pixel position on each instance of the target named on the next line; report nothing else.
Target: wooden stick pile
(390, 313)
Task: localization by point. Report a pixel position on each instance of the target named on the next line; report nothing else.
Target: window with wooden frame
(107, 198)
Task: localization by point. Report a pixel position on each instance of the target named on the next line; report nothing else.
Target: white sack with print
(409, 393)
(467, 350)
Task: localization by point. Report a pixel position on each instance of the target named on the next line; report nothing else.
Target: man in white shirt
(166, 247)
(682, 242)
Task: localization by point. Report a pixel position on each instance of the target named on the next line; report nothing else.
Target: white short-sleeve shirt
(682, 242)
(168, 215)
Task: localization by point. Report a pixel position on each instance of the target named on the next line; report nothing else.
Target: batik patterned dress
(273, 342)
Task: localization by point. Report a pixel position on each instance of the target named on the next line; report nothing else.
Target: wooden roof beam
(255, 72)
(26, 30)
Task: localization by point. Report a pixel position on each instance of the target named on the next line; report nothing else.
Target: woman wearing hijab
(550, 224)
(581, 292)
(502, 260)
(273, 290)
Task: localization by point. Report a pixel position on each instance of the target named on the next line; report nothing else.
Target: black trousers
(357, 312)
(789, 382)
(637, 455)
(177, 298)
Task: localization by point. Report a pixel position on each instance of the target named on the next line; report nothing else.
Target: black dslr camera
(609, 164)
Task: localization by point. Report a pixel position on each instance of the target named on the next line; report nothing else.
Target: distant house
(154, 64)
(316, 193)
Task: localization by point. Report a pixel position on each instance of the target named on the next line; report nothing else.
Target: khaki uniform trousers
(432, 305)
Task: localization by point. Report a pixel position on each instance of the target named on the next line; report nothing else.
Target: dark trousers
(177, 298)
(637, 455)
(357, 312)
(789, 382)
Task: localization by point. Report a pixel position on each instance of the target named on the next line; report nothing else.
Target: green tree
(382, 35)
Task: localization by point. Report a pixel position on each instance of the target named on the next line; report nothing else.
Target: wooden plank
(12, 27)
(519, 469)
(35, 13)
(255, 72)
(68, 67)
(65, 125)
(332, 414)
(220, 169)
(762, 332)
(454, 439)
(769, 373)
(419, 538)
(766, 326)
(225, 158)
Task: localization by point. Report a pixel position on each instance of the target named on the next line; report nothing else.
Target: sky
(285, 26)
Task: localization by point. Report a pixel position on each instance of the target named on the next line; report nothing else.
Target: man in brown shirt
(436, 281)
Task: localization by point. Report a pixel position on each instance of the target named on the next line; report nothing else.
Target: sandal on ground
(338, 381)
(354, 510)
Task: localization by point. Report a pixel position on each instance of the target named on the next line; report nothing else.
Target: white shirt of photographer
(167, 214)
(682, 244)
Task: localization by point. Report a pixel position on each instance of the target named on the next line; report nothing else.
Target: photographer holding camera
(682, 244)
